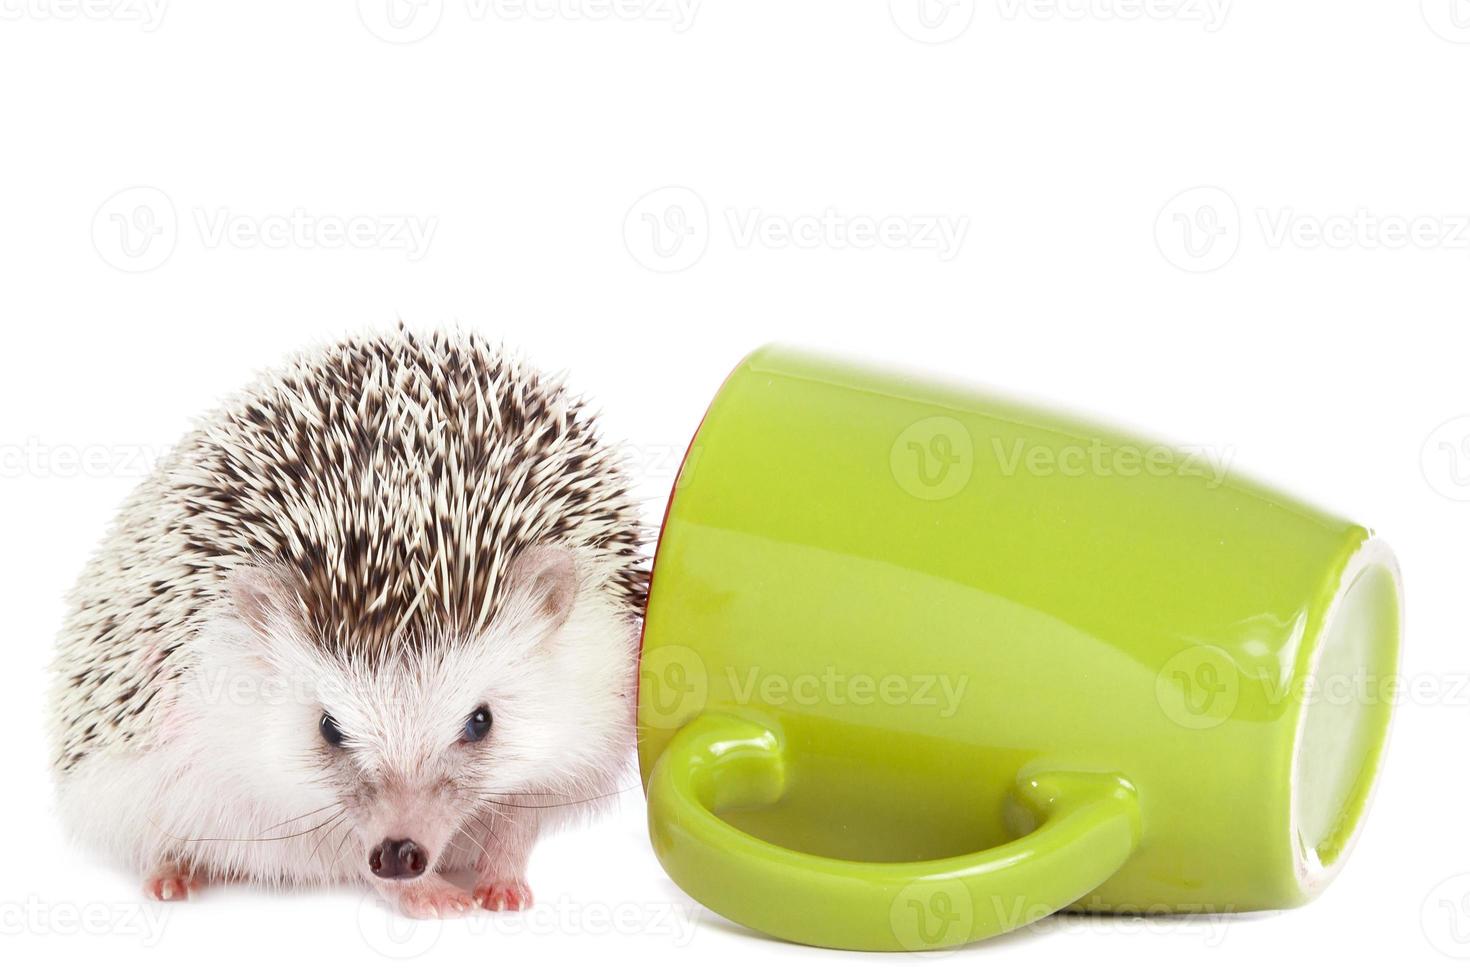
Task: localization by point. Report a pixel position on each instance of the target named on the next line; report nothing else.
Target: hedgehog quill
(374, 619)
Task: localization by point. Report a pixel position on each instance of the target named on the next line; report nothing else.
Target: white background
(1241, 225)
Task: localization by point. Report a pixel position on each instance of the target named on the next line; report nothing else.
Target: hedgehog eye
(477, 725)
(331, 734)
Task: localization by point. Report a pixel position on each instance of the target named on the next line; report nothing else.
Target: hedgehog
(374, 618)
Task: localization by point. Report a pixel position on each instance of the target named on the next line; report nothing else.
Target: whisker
(309, 813)
(553, 806)
(623, 789)
(325, 834)
(242, 840)
(488, 829)
(337, 854)
(476, 842)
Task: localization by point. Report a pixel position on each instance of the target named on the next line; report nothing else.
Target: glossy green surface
(922, 665)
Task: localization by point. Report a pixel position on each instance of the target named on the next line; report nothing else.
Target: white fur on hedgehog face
(554, 670)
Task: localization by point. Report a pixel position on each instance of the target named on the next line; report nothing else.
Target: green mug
(922, 665)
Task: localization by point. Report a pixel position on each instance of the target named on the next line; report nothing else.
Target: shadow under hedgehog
(375, 617)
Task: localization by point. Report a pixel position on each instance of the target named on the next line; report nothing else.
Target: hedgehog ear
(547, 578)
(265, 599)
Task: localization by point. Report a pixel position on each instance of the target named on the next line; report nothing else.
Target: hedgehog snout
(398, 859)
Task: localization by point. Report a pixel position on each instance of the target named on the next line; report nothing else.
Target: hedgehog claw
(503, 896)
(170, 882)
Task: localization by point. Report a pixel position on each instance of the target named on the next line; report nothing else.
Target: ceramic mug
(922, 665)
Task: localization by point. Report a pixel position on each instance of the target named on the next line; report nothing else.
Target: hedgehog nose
(397, 859)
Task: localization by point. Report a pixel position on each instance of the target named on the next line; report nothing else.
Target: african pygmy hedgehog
(376, 616)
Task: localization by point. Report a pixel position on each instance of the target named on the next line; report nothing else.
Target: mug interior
(1346, 707)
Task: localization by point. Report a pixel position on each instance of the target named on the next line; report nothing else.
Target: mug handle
(1088, 825)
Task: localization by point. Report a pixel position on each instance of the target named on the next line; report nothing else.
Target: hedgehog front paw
(503, 896)
(433, 898)
(171, 881)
